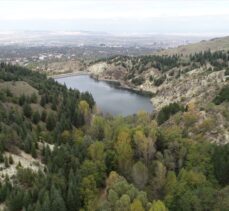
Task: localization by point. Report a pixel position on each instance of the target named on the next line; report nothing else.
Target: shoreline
(115, 83)
(120, 85)
(65, 75)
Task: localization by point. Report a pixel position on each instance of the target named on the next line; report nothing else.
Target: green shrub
(33, 98)
(27, 110)
(168, 111)
(36, 117)
(222, 96)
(138, 81)
(151, 78)
(227, 72)
(159, 81)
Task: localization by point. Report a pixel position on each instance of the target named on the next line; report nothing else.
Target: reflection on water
(108, 98)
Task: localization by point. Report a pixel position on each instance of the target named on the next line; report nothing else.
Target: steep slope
(57, 154)
(194, 78)
(169, 78)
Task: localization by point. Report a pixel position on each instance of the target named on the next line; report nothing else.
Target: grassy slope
(18, 88)
(213, 45)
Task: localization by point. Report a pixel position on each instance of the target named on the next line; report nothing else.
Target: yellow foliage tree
(65, 136)
(96, 151)
(190, 118)
(145, 145)
(113, 178)
(191, 106)
(136, 206)
(84, 107)
(124, 150)
(158, 206)
(77, 134)
(143, 117)
(170, 185)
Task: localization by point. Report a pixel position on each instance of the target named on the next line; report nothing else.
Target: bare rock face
(98, 68)
(195, 84)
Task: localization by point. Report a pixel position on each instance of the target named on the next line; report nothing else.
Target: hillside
(169, 78)
(194, 78)
(216, 44)
(57, 154)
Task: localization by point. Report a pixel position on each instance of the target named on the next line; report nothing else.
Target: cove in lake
(108, 98)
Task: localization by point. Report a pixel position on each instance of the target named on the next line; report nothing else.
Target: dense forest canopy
(93, 162)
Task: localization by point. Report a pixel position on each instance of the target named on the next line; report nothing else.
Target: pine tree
(36, 117)
(38, 206)
(46, 206)
(22, 100)
(33, 98)
(43, 115)
(73, 199)
(11, 161)
(51, 122)
(6, 161)
(58, 203)
(33, 151)
(27, 110)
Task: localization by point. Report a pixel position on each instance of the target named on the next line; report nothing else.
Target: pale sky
(117, 16)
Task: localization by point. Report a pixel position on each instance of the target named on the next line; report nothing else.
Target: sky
(117, 16)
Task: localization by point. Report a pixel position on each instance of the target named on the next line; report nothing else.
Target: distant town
(42, 51)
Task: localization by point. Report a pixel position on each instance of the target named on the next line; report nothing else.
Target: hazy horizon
(178, 17)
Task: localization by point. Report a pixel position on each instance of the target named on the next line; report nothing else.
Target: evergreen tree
(58, 203)
(36, 117)
(27, 110)
(46, 206)
(43, 115)
(22, 100)
(33, 98)
(51, 121)
(33, 151)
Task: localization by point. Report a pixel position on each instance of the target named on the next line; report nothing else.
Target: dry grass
(18, 88)
(213, 45)
(26, 161)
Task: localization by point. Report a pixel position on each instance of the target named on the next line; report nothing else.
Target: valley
(110, 105)
(56, 147)
(73, 141)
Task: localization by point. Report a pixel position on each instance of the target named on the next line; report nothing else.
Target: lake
(109, 99)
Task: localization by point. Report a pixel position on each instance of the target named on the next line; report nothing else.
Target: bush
(22, 100)
(159, 81)
(168, 111)
(226, 72)
(151, 78)
(138, 81)
(27, 110)
(51, 122)
(43, 115)
(11, 161)
(33, 98)
(36, 117)
(222, 96)
(221, 164)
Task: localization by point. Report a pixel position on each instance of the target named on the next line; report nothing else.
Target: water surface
(109, 99)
